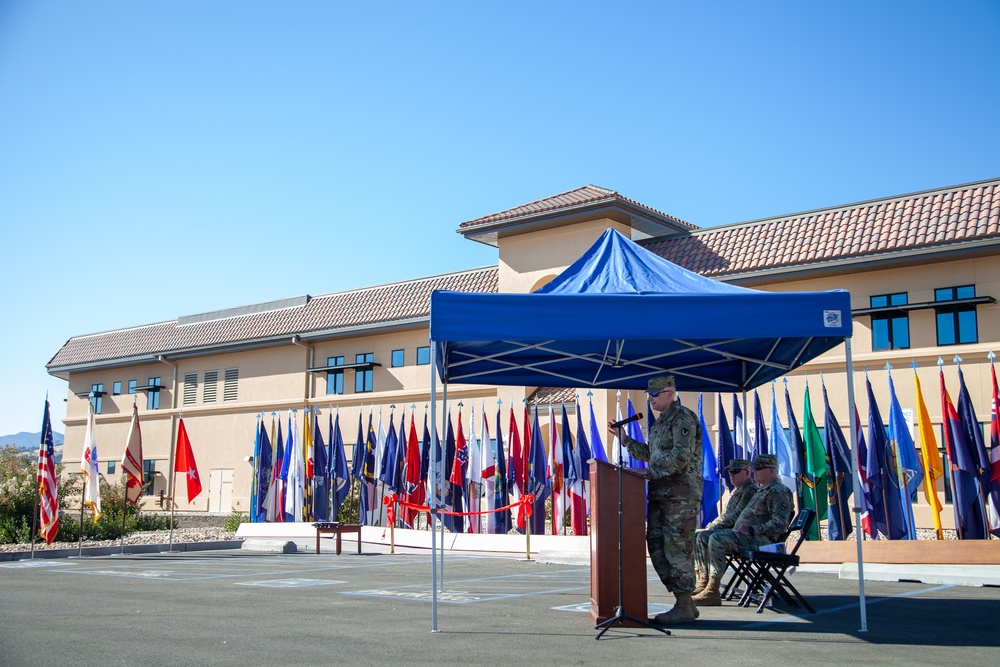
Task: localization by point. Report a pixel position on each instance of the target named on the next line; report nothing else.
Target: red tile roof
(944, 217)
(330, 313)
(586, 195)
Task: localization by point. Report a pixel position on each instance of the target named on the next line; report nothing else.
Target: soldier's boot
(710, 597)
(683, 611)
(701, 582)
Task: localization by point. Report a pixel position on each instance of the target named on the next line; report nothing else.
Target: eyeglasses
(654, 394)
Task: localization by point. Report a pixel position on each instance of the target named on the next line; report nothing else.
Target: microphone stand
(620, 616)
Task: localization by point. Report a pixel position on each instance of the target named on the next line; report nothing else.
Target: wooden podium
(604, 542)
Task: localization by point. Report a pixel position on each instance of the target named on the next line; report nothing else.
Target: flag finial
(940, 363)
(590, 394)
(888, 367)
(913, 365)
(785, 380)
(958, 360)
(989, 356)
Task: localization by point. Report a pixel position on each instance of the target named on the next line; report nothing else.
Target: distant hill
(26, 442)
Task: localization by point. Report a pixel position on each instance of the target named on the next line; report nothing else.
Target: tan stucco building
(923, 271)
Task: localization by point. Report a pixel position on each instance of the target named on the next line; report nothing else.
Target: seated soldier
(764, 521)
(743, 490)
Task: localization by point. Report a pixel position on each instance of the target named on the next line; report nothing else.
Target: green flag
(814, 476)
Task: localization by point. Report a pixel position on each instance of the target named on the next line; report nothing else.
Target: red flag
(461, 456)
(48, 487)
(186, 463)
(132, 460)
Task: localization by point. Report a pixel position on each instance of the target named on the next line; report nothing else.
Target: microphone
(633, 418)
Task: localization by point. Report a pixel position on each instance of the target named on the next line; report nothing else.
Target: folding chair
(743, 571)
(766, 569)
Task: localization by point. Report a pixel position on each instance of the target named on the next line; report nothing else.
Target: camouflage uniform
(767, 516)
(738, 501)
(674, 494)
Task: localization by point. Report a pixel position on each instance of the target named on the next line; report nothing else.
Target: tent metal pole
(445, 423)
(852, 412)
(433, 499)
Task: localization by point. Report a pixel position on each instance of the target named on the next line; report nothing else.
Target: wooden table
(337, 529)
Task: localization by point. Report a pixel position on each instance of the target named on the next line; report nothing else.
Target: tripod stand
(620, 617)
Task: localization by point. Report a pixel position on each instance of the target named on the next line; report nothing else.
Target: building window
(190, 388)
(398, 358)
(210, 390)
(890, 330)
(116, 388)
(363, 378)
(131, 386)
(956, 323)
(153, 394)
(111, 467)
(230, 384)
(335, 379)
(97, 397)
(148, 476)
(423, 356)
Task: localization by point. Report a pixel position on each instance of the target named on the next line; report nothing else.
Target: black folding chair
(744, 571)
(767, 571)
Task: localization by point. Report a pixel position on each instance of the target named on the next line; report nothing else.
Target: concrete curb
(8, 556)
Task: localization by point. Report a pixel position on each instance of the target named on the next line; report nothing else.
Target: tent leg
(433, 499)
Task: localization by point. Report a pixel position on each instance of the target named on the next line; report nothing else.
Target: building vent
(190, 388)
(211, 391)
(231, 382)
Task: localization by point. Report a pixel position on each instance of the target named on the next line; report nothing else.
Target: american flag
(48, 487)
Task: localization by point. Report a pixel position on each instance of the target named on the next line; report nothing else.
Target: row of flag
(891, 470)
(479, 479)
(131, 463)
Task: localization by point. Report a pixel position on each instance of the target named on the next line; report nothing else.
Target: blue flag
(711, 491)
(969, 520)
(839, 484)
(338, 466)
(321, 475)
(387, 468)
(782, 448)
(263, 471)
(760, 443)
(739, 432)
(595, 437)
(634, 431)
(727, 448)
(884, 499)
(538, 477)
(902, 458)
(501, 518)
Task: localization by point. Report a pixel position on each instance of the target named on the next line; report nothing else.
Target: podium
(604, 542)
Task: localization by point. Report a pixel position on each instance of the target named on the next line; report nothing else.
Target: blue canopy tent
(620, 315)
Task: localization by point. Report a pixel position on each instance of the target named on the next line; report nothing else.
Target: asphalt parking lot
(241, 608)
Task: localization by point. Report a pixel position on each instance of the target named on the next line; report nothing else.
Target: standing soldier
(763, 521)
(743, 490)
(674, 494)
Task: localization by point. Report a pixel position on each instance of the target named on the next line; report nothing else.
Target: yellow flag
(929, 458)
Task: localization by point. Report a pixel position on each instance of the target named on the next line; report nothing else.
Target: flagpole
(432, 475)
(83, 501)
(979, 478)
(852, 420)
(173, 505)
(38, 487)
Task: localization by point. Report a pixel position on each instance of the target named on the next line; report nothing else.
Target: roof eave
(871, 261)
(640, 219)
(64, 371)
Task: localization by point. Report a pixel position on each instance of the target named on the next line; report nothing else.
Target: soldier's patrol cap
(765, 461)
(660, 383)
(738, 464)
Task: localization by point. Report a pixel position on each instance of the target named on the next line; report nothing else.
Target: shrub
(17, 503)
(232, 523)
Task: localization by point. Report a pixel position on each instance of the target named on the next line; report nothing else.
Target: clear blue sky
(160, 159)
